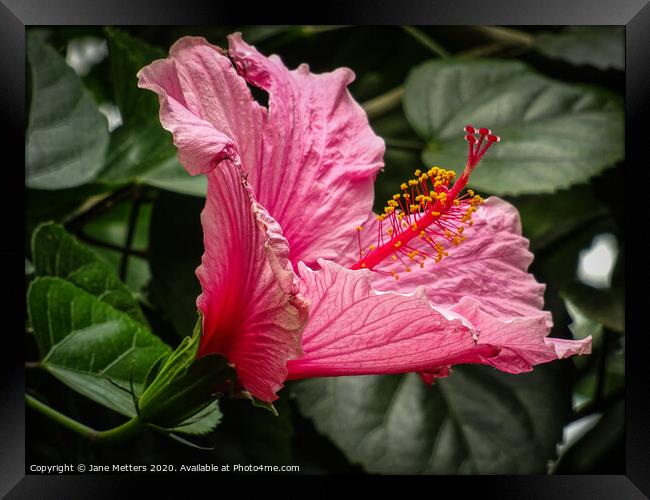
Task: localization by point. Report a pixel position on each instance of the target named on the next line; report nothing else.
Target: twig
(508, 36)
(426, 41)
(110, 246)
(381, 104)
(128, 429)
(94, 207)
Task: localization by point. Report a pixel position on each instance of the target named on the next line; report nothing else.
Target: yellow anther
(408, 269)
(435, 214)
(372, 248)
(461, 229)
(363, 264)
(422, 234)
(456, 202)
(470, 192)
(389, 230)
(414, 226)
(418, 173)
(403, 186)
(395, 275)
(407, 196)
(359, 228)
(397, 196)
(393, 258)
(398, 244)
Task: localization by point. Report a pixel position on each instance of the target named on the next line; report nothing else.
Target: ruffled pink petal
(354, 330)
(252, 310)
(320, 156)
(206, 106)
(311, 158)
(522, 341)
(491, 266)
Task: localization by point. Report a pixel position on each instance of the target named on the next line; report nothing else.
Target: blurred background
(107, 171)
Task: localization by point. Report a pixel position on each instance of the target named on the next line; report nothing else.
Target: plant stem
(385, 102)
(126, 430)
(110, 246)
(509, 36)
(483, 51)
(94, 207)
(426, 41)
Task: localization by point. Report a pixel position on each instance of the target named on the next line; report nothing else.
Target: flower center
(428, 212)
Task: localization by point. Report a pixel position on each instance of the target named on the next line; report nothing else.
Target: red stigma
(427, 212)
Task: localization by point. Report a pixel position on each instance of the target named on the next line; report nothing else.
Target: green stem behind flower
(426, 41)
(127, 430)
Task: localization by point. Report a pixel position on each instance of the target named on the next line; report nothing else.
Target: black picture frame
(15, 15)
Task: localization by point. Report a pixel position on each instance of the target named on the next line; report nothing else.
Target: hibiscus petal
(252, 311)
(354, 330)
(320, 157)
(522, 341)
(490, 266)
(206, 106)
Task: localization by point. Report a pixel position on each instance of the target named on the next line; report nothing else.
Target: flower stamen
(428, 210)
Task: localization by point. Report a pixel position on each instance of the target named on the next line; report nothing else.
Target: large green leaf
(553, 134)
(476, 421)
(67, 135)
(171, 176)
(90, 346)
(57, 253)
(140, 143)
(599, 46)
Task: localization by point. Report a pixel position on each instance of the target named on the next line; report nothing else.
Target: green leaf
(112, 227)
(183, 395)
(553, 134)
(605, 306)
(140, 144)
(599, 46)
(203, 422)
(600, 449)
(93, 348)
(141, 150)
(171, 176)
(67, 135)
(476, 421)
(57, 253)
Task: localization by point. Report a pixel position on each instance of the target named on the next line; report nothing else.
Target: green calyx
(181, 385)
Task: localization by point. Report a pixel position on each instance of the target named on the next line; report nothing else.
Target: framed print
(392, 241)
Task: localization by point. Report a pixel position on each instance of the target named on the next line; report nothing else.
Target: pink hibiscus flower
(299, 276)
